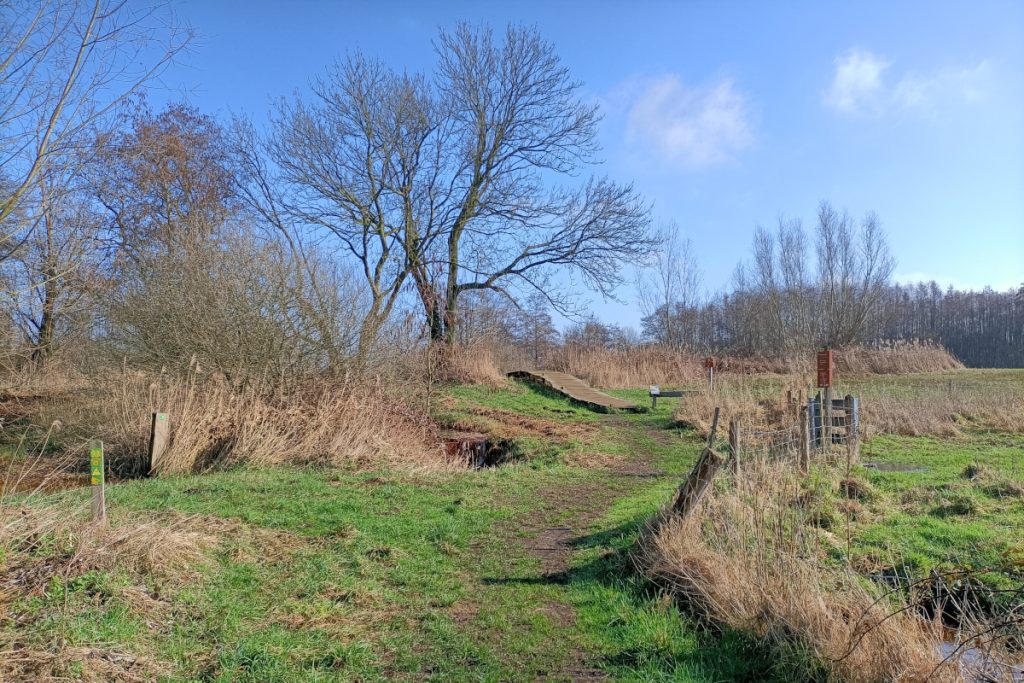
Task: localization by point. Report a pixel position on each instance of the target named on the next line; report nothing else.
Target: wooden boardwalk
(573, 387)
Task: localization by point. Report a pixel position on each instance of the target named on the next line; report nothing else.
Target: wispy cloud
(864, 83)
(690, 126)
(857, 83)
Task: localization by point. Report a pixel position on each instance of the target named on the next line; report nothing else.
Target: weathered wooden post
(97, 478)
(159, 433)
(734, 447)
(693, 489)
(714, 428)
(852, 406)
(805, 440)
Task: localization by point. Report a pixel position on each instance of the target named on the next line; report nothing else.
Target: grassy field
(519, 572)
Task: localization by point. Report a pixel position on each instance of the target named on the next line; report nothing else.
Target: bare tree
(64, 66)
(192, 278)
(50, 279)
(448, 183)
(669, 289)
(784, 304)
(854, 270)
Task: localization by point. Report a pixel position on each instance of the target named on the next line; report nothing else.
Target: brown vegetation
(342, 421)
(640, 366)
(943, 410)
(751, 560)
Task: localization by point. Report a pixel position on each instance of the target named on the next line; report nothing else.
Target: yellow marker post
(97, 477)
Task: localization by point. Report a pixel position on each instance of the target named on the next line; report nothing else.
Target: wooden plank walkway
(573, 387)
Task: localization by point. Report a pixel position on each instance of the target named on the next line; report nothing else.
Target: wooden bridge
(574, 388)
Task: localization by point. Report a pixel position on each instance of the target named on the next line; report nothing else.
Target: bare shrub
(750, 560)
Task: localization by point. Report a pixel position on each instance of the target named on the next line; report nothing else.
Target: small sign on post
(97, 478)
(825, 382)
(824, 368)
(709, 365)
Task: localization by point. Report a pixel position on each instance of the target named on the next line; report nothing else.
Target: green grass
(338, 575)
(939, 518)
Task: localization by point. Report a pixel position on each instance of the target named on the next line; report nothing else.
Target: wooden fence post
(97, 478)
(852, 406)
(159, 433)
(714, 428)
(734, 447)
(805, 440)
(696, 484)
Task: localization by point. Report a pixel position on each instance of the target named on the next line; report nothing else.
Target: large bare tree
(464, 181)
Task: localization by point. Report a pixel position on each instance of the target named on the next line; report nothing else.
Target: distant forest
(982, 329)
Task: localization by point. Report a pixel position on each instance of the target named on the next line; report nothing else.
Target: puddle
(894, 467)
(979, 666)
(946, 600)
(479, 451)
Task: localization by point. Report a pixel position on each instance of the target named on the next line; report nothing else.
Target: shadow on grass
(650, 636)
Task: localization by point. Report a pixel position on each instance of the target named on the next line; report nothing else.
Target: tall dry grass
(352, 421)
(938, 405)
(894, 358)
(941, 408)
(476, 363)
(645, 365)
(627, 368)
(750, 559)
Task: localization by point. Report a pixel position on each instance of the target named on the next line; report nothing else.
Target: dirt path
(567, 514)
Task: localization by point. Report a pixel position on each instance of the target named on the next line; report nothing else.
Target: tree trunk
(43, 347)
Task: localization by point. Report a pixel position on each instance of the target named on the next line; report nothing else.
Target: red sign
(825, 368)
(709, 363)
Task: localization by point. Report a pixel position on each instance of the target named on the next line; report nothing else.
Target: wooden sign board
(709, 363)
(825, 368)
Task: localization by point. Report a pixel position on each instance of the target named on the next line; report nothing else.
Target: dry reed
(641, 366)
(942, 409)
(750, 559)
(345, 421)
(460, 364)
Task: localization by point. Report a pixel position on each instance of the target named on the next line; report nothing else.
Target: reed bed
(641, 366)
(351, 421)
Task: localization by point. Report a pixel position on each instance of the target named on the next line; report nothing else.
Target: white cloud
(861, 85)
(857, 84)
(689, 126)
(968, 84)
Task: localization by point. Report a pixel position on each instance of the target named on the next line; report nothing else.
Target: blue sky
(724, 114)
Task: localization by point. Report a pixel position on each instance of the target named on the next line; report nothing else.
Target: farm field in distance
(522, 571)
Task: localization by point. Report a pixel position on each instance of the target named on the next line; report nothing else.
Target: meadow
(534, 569)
